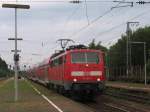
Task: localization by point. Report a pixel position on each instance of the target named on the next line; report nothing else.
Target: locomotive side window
(85, 57)
(57, 62)
(60, 60)
(64, 59)
(54, 63)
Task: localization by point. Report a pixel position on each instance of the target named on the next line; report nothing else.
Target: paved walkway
(130, 86)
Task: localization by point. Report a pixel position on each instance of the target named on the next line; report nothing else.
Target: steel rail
(115, 107)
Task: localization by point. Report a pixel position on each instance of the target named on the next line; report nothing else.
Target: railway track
(116, 108)
(130, 95)
(108, 107)
(106, 104)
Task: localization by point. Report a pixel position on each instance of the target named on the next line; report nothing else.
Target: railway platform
(35, 98)
(129, 86)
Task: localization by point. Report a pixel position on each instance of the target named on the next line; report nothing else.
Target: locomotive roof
(84, 50)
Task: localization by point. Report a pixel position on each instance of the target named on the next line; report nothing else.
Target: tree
(3, 68)
(97, 46)
(117, 53)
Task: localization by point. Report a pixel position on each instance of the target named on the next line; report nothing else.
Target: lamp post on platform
(16, 55)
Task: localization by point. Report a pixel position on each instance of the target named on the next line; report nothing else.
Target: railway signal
(16, 55)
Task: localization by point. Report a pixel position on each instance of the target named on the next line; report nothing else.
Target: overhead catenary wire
(56, 1)
(86, 12)
(112, 27)
(119, 25)
(72, 14)
(93, 21)
(68, 20)
(89, 23)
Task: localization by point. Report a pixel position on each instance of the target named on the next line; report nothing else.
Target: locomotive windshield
(85, 57)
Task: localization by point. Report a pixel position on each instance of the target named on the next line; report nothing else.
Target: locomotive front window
(85, 57)
(92, 57)
(78, 58)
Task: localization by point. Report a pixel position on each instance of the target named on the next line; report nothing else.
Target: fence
(136, 74)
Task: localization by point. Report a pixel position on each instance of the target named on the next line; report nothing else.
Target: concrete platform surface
(36, 98)
(130, 86)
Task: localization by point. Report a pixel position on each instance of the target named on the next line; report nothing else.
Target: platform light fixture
(16, 6)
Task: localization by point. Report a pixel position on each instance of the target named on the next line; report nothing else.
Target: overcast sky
(46, 22)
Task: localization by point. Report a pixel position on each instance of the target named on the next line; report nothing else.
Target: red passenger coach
(76, 70)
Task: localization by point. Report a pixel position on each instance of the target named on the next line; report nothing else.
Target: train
(76, 70)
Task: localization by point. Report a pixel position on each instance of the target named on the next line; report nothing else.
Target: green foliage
(3, 68)
(3, 64)
(117, 52)
(97, 46)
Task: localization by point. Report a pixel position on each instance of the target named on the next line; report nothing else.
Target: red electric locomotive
(76, 70)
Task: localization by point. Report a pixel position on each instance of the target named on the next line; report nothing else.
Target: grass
(29, 100)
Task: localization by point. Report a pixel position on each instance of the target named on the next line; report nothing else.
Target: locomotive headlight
(75, 80)
(96, 73)
(77, 73)
(98, 79)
